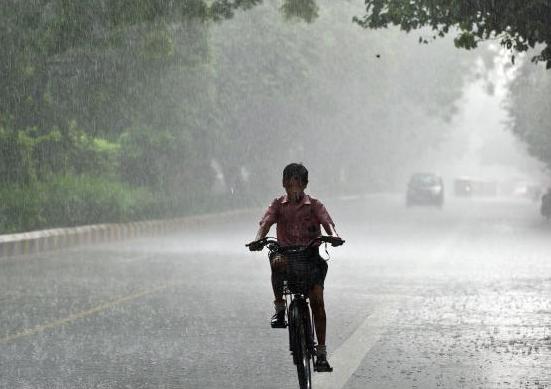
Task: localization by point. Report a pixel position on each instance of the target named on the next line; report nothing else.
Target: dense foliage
(530, 109)
(83, 83)
(116, 111)
(517, 24)
(354, 107)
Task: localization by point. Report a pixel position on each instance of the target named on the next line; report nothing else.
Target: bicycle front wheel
(303, 358)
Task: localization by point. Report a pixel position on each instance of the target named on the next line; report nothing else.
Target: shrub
(71, 200)
(20, 208)
(64, 201)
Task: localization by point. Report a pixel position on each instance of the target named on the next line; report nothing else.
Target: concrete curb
(61, 238)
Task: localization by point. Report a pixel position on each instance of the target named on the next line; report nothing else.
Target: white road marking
(347, 358)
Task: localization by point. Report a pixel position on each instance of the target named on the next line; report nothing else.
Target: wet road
(417, 298)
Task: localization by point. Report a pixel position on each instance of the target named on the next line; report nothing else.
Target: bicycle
(297, 283)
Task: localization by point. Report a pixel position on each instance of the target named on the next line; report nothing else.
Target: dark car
(425, 189)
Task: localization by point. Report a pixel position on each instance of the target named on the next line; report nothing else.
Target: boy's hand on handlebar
(255, 245)
(336, 241)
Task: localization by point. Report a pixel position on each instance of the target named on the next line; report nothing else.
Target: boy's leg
(278, 319)
(318, 310)
(317, 303)
(278, 265)
(277, 286)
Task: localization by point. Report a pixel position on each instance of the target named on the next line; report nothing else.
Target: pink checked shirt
(297, 223)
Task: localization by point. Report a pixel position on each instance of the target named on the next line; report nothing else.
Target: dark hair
(296, 170)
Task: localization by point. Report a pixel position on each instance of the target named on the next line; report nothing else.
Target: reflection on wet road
(417, 298)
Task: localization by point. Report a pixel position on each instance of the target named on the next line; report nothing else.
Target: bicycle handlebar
(333, 240)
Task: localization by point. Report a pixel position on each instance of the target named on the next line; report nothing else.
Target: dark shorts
(316, 274)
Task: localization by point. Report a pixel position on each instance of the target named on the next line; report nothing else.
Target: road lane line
(80, 315)
(347, 358)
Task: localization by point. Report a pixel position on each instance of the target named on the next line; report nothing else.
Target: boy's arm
(325, 220)
(330, 229)
(262, 231)
(269, 218)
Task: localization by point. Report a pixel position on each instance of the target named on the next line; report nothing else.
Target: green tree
(530, 109)
(517, 24)
(345, 102)
(48, 45)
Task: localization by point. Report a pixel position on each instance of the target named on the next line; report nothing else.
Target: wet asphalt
(417, 298)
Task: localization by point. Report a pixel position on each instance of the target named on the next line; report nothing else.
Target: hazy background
(117, 112)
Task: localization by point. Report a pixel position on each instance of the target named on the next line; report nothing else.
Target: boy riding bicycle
(298, 218)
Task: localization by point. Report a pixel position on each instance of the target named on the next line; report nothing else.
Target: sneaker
(322, 365)
(278, 320)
